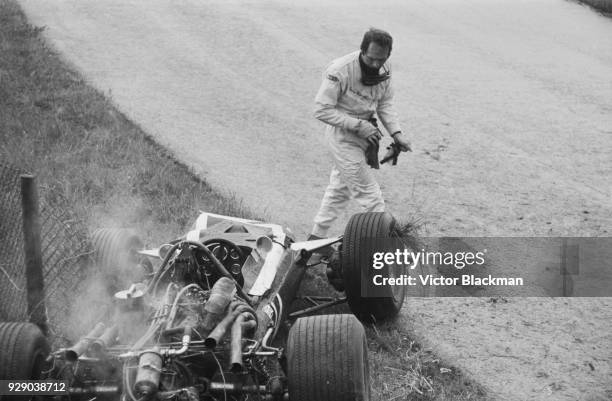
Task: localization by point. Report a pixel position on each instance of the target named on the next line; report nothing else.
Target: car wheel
(327, 359)
(362, 238)
(116, 257)
(23, 350)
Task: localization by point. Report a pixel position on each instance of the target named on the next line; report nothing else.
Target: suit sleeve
(325, 103)
(386, 111)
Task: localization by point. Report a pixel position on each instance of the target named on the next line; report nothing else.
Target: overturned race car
(208, 317)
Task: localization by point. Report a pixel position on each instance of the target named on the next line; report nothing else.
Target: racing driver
(356, 88)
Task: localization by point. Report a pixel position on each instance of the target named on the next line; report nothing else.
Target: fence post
(33, 253)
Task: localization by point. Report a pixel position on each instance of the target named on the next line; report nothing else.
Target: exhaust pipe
(217, 334)
(220, 296)
(243, 322)
(73, 353)
(108, 338)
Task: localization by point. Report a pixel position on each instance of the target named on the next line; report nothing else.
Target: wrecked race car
(209, 318)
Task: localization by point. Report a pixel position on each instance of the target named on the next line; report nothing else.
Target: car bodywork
(203, 320)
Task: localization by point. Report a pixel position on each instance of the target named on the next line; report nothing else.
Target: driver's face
(375, 56)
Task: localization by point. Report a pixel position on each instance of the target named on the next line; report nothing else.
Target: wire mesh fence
(12, 284)
(66, 254)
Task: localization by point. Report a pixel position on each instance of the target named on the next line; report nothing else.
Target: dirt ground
(509, 105)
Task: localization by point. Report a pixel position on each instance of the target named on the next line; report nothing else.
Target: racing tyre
(358, 247)
(115, 254)
(327, 359)
(23, 350)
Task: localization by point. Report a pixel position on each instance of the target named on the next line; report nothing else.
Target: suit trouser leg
(334, 202)
(351, 177)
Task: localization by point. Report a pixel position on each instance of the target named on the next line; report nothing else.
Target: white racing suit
(342, 101)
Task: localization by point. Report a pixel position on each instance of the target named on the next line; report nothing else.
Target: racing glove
(369, 132)
(372, 156)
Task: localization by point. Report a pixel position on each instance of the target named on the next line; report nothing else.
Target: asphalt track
(509, 104)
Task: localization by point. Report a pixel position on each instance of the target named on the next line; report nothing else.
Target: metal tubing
(165, 351)
(94, 390)
(160, 271)
(185, 343)
(105, 340)
(306, 311)
(264, 342)
(217, 334)
(193, 390)
(174, 308)
(72, 353)
(265, 353)
(218, 301)
(215, 387)
(243, 322)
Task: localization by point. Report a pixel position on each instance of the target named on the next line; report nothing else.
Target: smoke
(92, 304)
(94, 301)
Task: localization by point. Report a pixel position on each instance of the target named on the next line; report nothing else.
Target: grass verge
(81, 148)
(402, 370)
(85, 153)
(603, 6)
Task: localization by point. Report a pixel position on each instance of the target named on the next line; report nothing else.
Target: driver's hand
(402, 142)
(369, 132)
(373, 139)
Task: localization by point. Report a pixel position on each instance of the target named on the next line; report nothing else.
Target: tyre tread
(20, 342)
(323, 360)
(356, 253)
